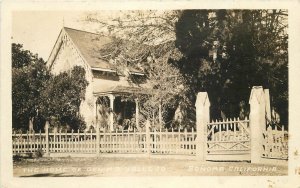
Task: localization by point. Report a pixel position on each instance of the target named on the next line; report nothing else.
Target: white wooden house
(75, 47)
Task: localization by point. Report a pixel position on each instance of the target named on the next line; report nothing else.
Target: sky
(38, 30)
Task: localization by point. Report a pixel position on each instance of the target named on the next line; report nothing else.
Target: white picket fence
(181, 142)
(227, 137)
(29, 142)
(154, 142)
(64, 142)
(123, 142)
(275, 143)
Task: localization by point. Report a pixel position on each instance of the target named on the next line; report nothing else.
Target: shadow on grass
(52, 175)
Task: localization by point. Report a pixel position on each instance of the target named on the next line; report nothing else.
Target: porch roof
(119, 89)
(122, 86)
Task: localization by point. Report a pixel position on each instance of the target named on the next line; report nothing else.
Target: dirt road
(81, 167)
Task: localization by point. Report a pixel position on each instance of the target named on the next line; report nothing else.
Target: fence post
(47, 138)
(202, 118)
(257, 122)
(148, 143)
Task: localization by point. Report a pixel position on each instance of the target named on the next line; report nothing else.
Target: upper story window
(105, 75)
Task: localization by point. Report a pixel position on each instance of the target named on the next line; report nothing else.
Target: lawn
(103, 166)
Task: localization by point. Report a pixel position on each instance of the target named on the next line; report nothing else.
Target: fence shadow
(52, 175)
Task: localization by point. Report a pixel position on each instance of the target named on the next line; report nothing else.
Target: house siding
(67, 57)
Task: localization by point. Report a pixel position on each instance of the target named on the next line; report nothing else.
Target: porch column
(95, 112)
(111, 113)
(97, 126)
(160, 115)
(137, 112)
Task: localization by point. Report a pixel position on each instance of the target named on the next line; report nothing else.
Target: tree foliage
(37, 95)
(226, 52)
(29, 79)
(63, 97)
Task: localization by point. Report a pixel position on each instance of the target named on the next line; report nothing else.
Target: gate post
(202, 118)
(267, 103)
(257, 122)
(47, 138)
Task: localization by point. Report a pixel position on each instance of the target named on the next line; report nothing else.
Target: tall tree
(37, 95)
(226, 52)
(29, 79)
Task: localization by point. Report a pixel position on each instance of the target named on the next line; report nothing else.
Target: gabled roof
(89, 44)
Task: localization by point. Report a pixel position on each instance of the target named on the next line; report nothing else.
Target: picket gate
(228, 140)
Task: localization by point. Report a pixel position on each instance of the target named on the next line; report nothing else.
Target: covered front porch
(118, 109)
